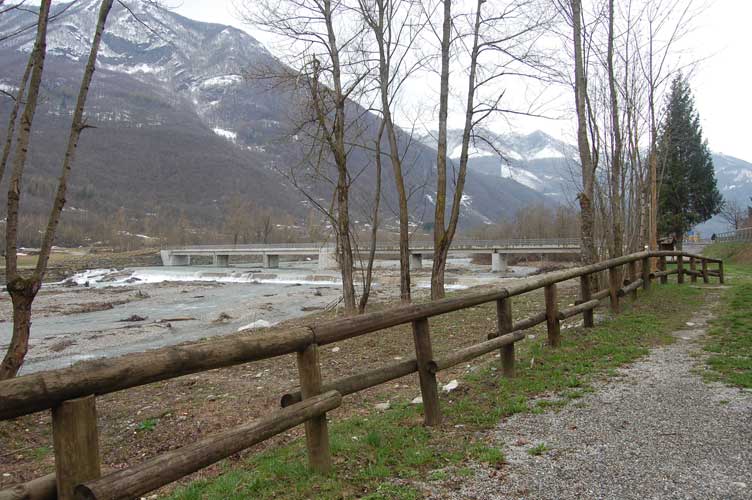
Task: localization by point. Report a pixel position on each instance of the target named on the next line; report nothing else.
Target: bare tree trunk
(586, 196)
(14, 116)
(340, 159)
(22, 291)
(439, 230)
(374, 226)
(441, 251)
(617, 223)
(383, 23)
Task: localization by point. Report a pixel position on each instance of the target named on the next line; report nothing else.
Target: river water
(85, 318)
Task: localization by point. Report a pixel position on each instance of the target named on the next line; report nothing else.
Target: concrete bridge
(326, 253)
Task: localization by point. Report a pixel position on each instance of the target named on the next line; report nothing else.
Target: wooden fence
(70, 393)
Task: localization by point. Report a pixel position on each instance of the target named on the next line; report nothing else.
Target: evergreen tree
(688, 191)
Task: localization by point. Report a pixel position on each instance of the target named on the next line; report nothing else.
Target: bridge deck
(507, 246)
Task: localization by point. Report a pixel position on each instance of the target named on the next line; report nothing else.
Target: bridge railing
(744, 234)
(71, 393)
(482, 244)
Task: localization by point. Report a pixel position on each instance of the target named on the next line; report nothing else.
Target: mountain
(536, 160)
(734, 177)
(551, 167)
(181, 130)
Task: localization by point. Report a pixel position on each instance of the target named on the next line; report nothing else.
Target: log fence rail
(70, 393)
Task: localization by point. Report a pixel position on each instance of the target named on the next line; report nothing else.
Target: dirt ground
(142, 422)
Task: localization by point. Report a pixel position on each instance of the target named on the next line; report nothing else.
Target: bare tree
(395, 26)
(734, 214)
(324, 62)
(573, 14)
(23, 289)
(502, 41)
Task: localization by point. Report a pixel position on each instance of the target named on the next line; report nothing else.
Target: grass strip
(730, 335)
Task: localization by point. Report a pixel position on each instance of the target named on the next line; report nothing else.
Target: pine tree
(688, 191)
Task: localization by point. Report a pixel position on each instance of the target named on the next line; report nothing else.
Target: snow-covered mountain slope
(180, 124)
(551, 166)
(536, 160)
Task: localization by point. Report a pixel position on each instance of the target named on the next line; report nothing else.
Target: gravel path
(656, 431)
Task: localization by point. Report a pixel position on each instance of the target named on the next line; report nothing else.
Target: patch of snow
(466, 200)
(547, 152)
(131, 69)
(430, 199)
(743, 176)
(220, 81)
(11, 89)
(227, 134)
(513, 155)
(522, 176)
(472, 152)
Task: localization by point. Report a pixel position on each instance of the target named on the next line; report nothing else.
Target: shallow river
(188, 303)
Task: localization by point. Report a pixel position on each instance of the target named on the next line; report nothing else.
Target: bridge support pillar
(498, 263)
(416, 261)
(271, 260)
(168, 259)
(221, 260)
(327, 259)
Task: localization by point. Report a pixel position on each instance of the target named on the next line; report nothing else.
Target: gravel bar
(656, 431)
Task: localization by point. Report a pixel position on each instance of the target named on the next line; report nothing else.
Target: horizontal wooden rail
(172, 465)
(43, 390)
(473, 351)
(623, 291)
(524, 324)
(360, 381)
(579, 308)
(41, 488)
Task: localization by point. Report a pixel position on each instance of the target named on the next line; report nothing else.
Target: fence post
(646, 273)
(680, 269)
(705, 278)
(504, 325)
(721, 278)
(317, 432)
(585, 296)
(632, 266)
(613, 288)
(76, 443)
(552, 316)
(693, 268)
(428, 386)
(662, 267)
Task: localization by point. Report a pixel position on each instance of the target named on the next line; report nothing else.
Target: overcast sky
(721, 83)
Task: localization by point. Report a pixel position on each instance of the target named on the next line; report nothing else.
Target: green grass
(147, 425)
(371, 452)
(730, 342)
(730, 253)
(538, 450)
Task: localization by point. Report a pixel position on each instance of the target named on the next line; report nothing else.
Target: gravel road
(656, 431)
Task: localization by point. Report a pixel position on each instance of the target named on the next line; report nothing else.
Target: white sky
(721, 83)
